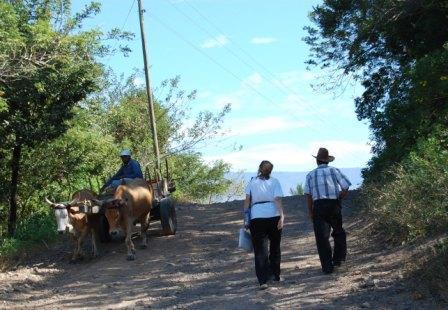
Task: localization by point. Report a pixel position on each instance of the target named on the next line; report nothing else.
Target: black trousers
(327, 215)
(267, 265)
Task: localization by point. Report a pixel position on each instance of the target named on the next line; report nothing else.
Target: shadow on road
(201, 267)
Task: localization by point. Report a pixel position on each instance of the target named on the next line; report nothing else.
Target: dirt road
(201, 268)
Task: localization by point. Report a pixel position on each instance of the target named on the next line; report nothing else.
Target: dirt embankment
(201, 268)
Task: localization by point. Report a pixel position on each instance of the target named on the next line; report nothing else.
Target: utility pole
(148, 89)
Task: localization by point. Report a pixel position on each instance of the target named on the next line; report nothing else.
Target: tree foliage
(198, 181)
(63, 118)
(48, 65)
(413, 202)
(398, 51)
(179, 134)
(46, 70)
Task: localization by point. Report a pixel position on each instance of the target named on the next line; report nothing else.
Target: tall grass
(413, 201)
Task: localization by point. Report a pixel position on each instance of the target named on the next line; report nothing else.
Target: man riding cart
(130, 169)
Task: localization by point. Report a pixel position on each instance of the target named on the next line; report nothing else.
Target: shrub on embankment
(410, 205)
(411, 201)
(38, 230)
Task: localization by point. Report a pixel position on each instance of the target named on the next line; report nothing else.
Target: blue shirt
(130, 170)
(325, 182)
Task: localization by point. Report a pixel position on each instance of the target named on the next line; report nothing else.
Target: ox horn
(48, 201)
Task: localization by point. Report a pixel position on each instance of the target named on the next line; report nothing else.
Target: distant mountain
(289, 179)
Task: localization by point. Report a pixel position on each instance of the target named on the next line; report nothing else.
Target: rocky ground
(202, 268)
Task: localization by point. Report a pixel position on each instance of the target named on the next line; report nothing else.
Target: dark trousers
(267, 265)
(327, 215)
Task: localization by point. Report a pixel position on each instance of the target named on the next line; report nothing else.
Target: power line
(269, 100)
(218, 64)
(266, 70)
(122, 27)
(273, 79)
(127, 16)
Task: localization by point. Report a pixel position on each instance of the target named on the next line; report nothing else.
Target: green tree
(196, 180)
(80, 158)
(397, 50)
(48, 66)
(127, 120)
(298, 191)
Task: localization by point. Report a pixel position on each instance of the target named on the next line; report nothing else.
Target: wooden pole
(148, 88)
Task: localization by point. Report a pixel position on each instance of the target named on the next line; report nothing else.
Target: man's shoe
(337, 264)
(329, 271)
(263, 286)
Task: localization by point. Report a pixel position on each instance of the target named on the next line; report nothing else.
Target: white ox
(78, 224)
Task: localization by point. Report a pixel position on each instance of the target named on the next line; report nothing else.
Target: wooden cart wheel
(168, 217)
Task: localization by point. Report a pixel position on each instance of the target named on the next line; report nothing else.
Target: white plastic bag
(245, 240)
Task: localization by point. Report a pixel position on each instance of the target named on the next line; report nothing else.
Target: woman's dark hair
(265, 169)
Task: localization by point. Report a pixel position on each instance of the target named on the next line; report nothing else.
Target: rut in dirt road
(202, 268)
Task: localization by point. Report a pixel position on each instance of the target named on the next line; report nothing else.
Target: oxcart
(163, 207)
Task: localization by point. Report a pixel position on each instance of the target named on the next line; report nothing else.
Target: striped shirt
(325, 182)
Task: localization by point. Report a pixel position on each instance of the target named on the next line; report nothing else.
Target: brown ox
(79, 225)
(131, 204)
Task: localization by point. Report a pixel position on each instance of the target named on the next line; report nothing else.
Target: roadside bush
(38, 227)
(9, 246)
(414, 202)
(196, 180)
(298, 191)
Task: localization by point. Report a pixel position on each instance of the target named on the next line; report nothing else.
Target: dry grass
(411, 210)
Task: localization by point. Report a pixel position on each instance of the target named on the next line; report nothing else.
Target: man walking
(325, 186)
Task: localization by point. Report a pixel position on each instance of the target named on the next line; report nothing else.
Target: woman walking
(263, 202)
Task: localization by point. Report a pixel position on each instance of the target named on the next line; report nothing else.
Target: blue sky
(250, 54)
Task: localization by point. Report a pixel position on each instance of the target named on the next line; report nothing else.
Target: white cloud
(223, 100)
(218, 41)
(250, 126)
(249, 158)
(203, 95)
(253, 81)
(309, 101)
(263, 40)
(237, 97)
(296, 157)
